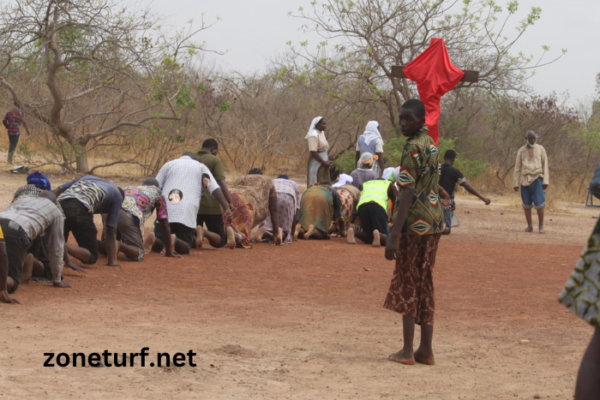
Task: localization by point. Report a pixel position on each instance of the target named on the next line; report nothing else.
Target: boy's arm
(475, 193)
(404, 203)
(4, 296)
(517, 175)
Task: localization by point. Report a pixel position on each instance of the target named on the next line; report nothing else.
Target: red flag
(435, 75)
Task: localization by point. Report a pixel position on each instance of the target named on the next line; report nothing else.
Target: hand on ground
(5, 298)
(75, 267)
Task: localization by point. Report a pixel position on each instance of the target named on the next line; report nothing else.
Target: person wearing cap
(532, 176)
(371, 142)
(364, 172)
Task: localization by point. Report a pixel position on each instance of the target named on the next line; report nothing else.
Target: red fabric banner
(435, 75)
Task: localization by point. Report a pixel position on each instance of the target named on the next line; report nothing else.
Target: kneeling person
(138, 205)
(22, 222)
(80, 199)
(373, 214)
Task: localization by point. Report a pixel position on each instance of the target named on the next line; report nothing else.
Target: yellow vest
(375, 191)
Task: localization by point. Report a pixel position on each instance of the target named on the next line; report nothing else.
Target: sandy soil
(306, 321)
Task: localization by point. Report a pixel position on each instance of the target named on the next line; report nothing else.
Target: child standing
(414, 239)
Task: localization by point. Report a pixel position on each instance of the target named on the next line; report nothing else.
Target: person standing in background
(12, 122)
(371, 142)
(532, 175)
(318, 166)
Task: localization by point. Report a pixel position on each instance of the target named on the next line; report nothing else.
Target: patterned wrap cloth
(243, 218)
(319, 206)
(581, 294)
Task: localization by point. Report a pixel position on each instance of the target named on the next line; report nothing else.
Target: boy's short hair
(450, 155)
(255, 171)
(415, 106)
(210, 144)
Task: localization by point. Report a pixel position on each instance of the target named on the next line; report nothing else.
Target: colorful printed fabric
(347, 206)
(582, 291)
(411, 289)
(243, 218)
(256, 189)
(141, 201)
(27, 191)
(86, 192)
(316, 208)
(420, 172)
(448, 204)
(286, 209)
(13, 120)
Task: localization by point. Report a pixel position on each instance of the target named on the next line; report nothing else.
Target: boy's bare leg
(424, 353)
(350, 236)
(213, 239)
(199, 237)
(79, 253)
(298, 232)
(528, 219)
(312, 232)
(149, 242)
(540, 213)
(588, 384)
(38, 268)
(406, 355)
(179, 246)
(259, 234)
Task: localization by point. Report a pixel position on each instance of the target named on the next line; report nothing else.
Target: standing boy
(449, 177)
(414, 239)
(12, 122)
(532, 175)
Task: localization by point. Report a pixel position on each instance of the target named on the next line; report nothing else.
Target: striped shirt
(39, 216)
(97, 195)
(13, 120)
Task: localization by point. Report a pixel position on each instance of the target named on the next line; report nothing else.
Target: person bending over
(80, 199)
(373, 214)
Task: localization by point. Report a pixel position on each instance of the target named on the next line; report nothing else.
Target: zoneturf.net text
(108, 359)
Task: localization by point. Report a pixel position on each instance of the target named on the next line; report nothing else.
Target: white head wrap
(372, 132)
(343, 180)
(312, 131)
(387, 173)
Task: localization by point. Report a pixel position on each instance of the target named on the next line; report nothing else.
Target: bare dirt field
(306, 321)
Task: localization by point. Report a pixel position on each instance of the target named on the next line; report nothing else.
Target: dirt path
(306, 321)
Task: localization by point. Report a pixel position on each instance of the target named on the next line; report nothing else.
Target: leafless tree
(90, 71)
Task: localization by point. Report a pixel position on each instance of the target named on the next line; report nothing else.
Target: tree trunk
(82, 160)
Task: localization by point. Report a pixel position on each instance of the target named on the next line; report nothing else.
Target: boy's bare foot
(401, 358)
(27, 268)
(279, 237)
(297, 231)
(376, 239)
(309, 232)
(61, 284)
(149, 242)
(230, 238)
(446, 231)
(173, 241)
(528, 229)
(259, 234)
(423, 358)
(199, 237)
(542, 230)
(350, 236)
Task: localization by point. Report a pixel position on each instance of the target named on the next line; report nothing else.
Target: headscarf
(372, 132)
(367, 158)
(312, 131)
(343, 180)
(387, 173)
(39, 180)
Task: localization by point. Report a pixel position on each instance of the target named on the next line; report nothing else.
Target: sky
(254, 31)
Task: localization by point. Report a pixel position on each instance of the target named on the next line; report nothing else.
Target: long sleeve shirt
(531, 164)
(39, 216)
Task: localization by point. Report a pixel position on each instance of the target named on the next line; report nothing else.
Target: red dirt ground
(306, 321)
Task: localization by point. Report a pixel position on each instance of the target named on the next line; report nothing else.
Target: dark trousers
(17, 246)
(214, 223)
(181, 231)
(12, 146)
(80, 221)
